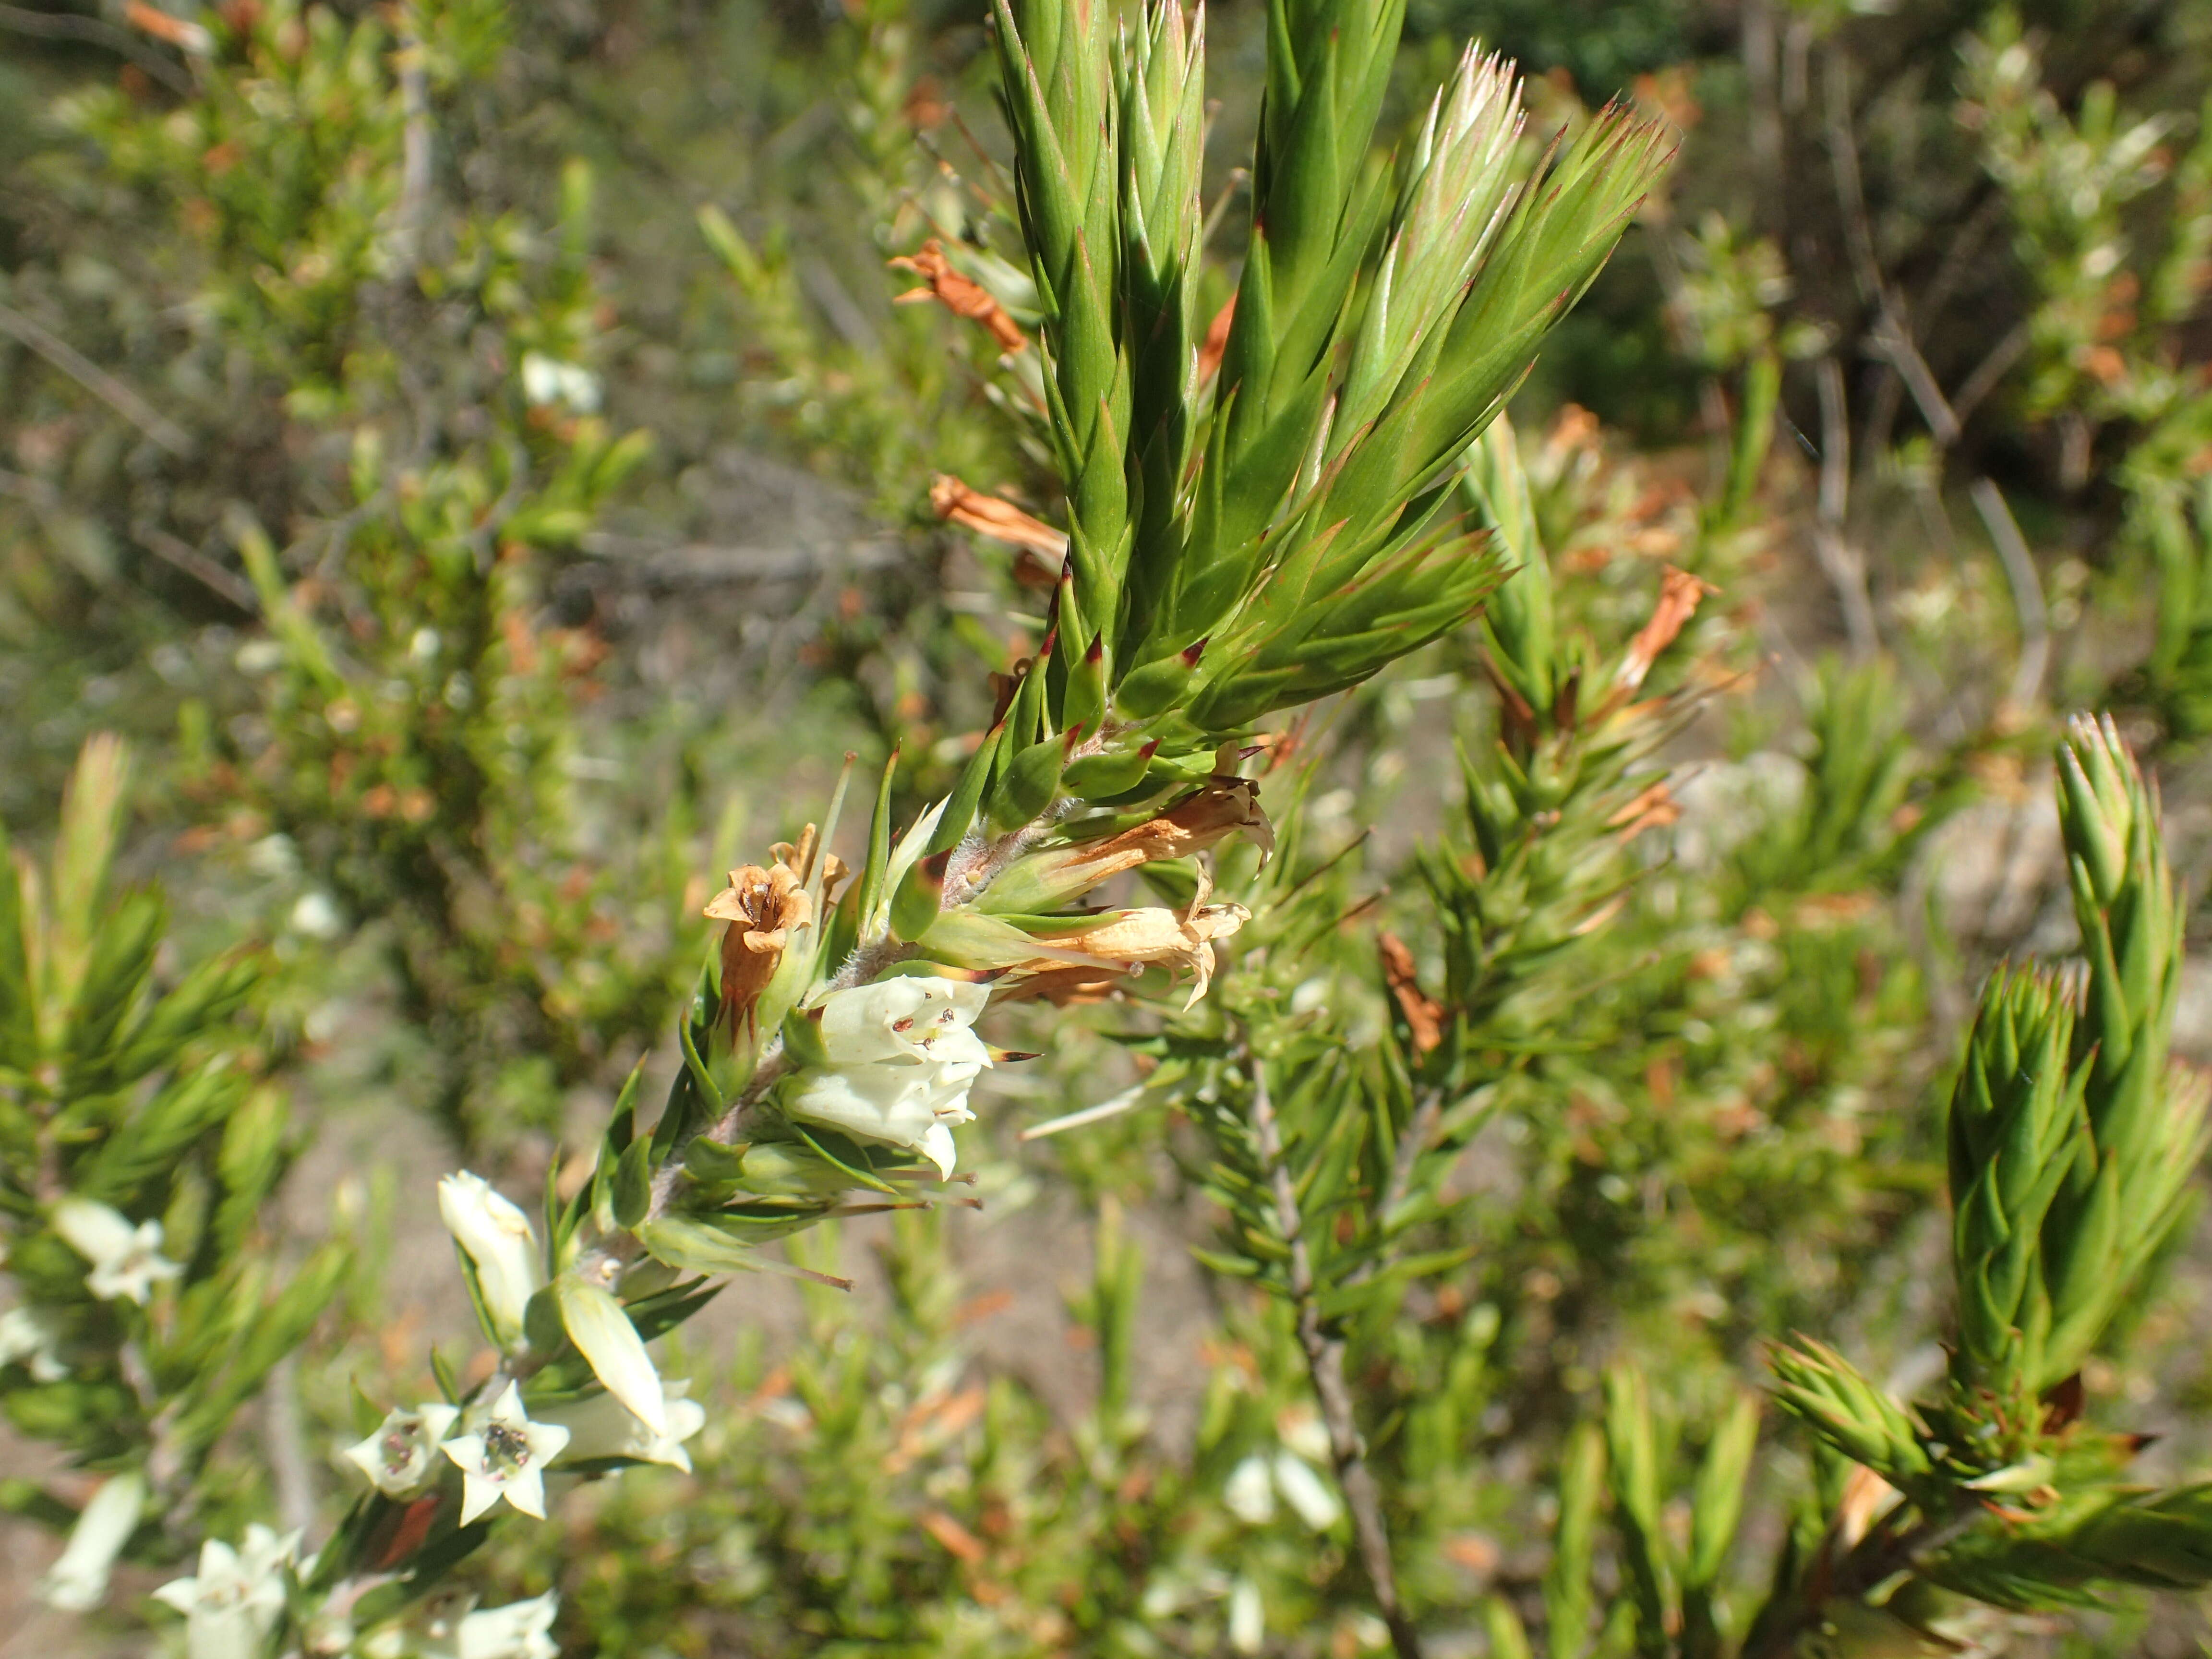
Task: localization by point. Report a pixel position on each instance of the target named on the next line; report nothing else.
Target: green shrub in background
(1520, 1129)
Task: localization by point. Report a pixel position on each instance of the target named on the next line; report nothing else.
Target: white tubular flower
(28, 1338)
(1248, 1494)
(603, 1426)
(127, 1261)
(914, 1019)
(1305, 1492)
(498, 1239)
(1248, 1617)
(235, 1600)
(601, 1330)
(505, 1457)
(398, 1457)
(517, 1630)
(550, 380)
(77, 1582)
(902, 1056)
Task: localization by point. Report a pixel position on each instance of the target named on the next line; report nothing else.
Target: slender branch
(97, 32)
(288, 1463)
(414, 153)
(224, 583)
(1324, 1354)
(1843, 564)
(2026, 590)
(1892, 333)
(29, 332)
(1991, 370)
(1421, 1129)
(1761, 66)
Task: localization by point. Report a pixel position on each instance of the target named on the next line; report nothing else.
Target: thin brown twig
(58, 352)
(2026, 589)
(1893, 333)
(1324, 1354)
(1843, 564)
(97, 32)
(1991, 370)
(224, 583)
(414, 151)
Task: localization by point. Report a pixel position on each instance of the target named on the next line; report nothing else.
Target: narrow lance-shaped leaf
(1056, 82)
(1161, 70)
(1319, 199)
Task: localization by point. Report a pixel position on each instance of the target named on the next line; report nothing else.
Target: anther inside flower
(506, 1457)
(396, 1457)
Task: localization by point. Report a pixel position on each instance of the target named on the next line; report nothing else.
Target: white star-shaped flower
(505, 1457)
(127, 1261)
(396, 1458)
(234, 1601)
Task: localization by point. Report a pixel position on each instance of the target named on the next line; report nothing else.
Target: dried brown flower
(1002, 521)
(763, 906)
(1424, 1015)
(1222, 807)
(962, 295)
(1680, 595)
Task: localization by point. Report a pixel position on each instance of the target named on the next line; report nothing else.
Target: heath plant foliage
(1517, 1146)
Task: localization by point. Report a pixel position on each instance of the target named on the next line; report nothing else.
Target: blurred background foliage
(475, 453)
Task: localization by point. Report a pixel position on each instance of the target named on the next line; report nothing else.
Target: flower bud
(77, 1582)
(496, 1237)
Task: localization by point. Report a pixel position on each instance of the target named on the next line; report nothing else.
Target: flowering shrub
(1518, 1144)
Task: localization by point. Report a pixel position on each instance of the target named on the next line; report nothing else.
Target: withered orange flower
(1653, 808)
(1224, 807)
(763, 906)
(990, 515)
(1424, 1015)
(1148, 935)
(962, 295)
(1680, 595)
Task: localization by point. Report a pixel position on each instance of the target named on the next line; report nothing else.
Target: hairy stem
(1324, 1354)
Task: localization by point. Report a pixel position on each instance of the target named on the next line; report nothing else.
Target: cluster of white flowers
(505, 1452)
(902, 1055)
